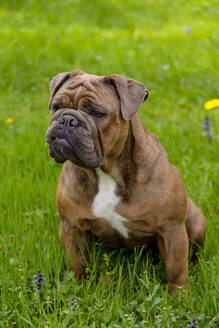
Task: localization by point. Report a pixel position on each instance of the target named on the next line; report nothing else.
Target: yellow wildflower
(9, 120)
(211, 104)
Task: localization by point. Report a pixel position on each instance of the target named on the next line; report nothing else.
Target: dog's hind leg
(195, 226)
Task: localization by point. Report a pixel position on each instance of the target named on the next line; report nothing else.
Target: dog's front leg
(173, 245)
(76, 241)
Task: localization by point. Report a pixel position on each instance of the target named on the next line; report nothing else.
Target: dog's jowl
(116, 181)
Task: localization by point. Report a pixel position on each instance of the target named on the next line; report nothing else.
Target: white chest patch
(105, 202)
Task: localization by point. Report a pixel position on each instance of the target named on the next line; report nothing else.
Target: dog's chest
(105, 202)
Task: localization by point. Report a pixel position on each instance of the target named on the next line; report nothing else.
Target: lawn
(173, 48)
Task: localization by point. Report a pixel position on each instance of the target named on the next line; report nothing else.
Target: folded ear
(131, 93)
(58, 81)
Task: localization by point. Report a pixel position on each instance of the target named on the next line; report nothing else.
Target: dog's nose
(68, 121)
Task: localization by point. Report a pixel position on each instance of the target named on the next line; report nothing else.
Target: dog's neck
(135, 159)
(134, 164)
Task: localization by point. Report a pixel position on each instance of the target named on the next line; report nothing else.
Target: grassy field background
(172, 47)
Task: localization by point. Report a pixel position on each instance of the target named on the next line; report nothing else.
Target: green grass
(139, 39)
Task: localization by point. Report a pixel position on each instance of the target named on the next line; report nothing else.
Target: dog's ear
(131, 93)
(58, 81)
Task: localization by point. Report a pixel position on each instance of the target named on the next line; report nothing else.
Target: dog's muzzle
(73, 136)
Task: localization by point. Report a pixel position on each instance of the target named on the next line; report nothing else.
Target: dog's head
(89, 116)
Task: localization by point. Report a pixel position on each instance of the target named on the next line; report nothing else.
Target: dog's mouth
(59, 147)
(73, 136)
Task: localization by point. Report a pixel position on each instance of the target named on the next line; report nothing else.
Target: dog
(116, 181)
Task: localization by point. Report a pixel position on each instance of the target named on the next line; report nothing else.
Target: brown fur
(153, 197)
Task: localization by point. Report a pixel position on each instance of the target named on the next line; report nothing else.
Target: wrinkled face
(86, 121)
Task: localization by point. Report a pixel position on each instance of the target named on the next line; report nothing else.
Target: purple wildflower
(187, 29)
(39, 281)
(193, 323)
(207, 127)
(73, 303)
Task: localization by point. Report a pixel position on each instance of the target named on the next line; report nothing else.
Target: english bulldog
(116, 181)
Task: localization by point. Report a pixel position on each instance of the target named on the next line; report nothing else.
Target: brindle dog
(116, 181)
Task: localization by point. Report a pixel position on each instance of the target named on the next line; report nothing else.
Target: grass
(151, 42)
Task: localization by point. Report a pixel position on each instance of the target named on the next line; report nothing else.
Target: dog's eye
(97, 114)
(55, 107)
